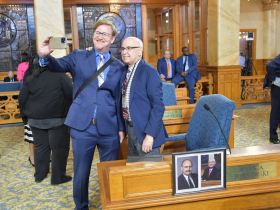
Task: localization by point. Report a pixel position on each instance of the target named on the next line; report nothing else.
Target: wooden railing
(9, 107)
(252, 90)
(198, 89)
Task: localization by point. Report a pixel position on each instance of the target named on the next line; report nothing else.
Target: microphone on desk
(208, 109)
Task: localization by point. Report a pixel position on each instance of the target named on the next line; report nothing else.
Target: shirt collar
(134, 65)
(106, 54)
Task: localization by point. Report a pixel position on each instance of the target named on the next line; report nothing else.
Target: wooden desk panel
(249, 194)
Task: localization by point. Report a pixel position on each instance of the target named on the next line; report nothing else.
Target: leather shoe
(65, 179)
(274, 141)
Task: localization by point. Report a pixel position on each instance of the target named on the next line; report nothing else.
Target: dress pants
(190, 81)
(57, 140)
(275, 111)
(84, 143)
(134, 146)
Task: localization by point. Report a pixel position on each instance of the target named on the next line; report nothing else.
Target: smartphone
(58, 43)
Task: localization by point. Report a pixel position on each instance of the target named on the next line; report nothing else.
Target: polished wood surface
(209, 183)
(149, 185)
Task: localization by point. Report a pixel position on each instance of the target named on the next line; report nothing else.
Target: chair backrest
(169, 95)
(204, 131)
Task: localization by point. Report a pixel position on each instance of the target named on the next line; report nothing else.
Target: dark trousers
(275, 111)
(190, 81)
(84, 144)
(57, 140)
(134, 146)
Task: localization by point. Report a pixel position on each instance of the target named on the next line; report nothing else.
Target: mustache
(126, 56)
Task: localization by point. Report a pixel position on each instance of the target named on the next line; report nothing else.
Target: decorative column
(269, 29)
(49, 21)
(223, 48)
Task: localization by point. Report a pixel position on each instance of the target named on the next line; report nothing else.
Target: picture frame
(191, 171)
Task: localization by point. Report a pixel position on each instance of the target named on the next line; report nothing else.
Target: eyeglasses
(105, 35)
(127, 48)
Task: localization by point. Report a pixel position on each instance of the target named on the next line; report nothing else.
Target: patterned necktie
(101, 75)
(125, 83)
(168, 68)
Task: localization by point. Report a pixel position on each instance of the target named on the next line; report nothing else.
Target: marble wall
(223, 31)
(49, 21)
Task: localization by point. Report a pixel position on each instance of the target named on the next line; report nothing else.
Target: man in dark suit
(186, 69)
(11, 77)
(273, 80)
(211, 172)
(187, 179)
(142, 103)
(93, 116)
(166, 66)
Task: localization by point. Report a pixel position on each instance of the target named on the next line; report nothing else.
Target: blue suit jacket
(162, 67)
(192, 61)
(82, 65)
(145, 103)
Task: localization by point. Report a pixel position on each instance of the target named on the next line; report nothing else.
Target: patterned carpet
(19, 191)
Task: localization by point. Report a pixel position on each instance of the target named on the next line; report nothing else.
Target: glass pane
(196, 15)
(167, 44)
(186, 40)
(186, 28)
(197, 45)
(167, 22)
(151, 22)
(152, 47)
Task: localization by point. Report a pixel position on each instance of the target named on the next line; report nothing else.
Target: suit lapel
(135, 80)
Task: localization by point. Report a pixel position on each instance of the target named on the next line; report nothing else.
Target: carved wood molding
(9, 107)
(253, 90)
(270, 4)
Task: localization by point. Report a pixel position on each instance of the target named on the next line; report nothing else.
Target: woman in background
(45, 99)
(28, 137)
(22, 67)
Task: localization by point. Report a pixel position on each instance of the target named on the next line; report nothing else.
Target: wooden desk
(149, 185)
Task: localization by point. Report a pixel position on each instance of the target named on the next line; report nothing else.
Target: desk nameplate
(251, 171)
(172, 114)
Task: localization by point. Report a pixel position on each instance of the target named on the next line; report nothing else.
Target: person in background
(22, 67)
(272, 79)
(11, 77)
(45, 99)
(28, 137)
(166, 66)
(186, 69)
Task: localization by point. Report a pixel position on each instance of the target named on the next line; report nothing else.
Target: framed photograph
(199, 171)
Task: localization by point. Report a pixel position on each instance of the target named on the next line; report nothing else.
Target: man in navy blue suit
(166, 66)
(273, 80)
(93, 116)
(11, 77)
(187, 179)
(211, 172)
(142, 103)
(186, 69)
